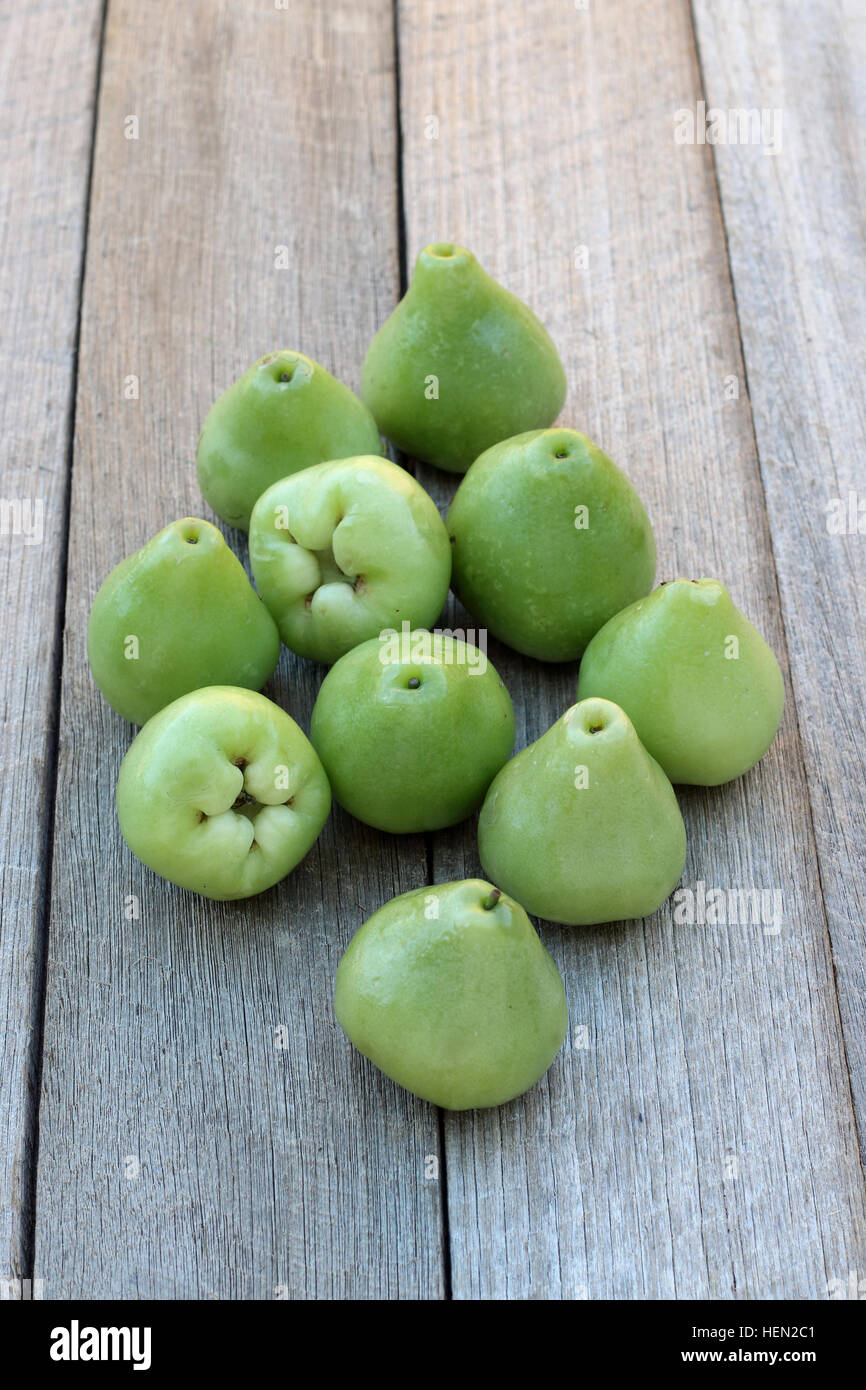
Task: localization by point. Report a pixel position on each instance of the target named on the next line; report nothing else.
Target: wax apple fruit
(178, 614)
(448, 990)
(411, 728)
(460, 363)
(697, 680)
(221, 793)
(284, 414)
(343, 550)
(549, 540)
(583, 826)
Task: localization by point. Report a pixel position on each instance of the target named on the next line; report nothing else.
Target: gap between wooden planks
(48, 75)
(184, 1153)
(628, 418)
(702, 1144)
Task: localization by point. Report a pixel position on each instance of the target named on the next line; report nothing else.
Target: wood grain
(795, 230)
(206, 1131)
(695, 1138)
(47, 87)
(184, 1152)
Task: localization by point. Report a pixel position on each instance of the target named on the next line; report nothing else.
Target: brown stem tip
(492, 899)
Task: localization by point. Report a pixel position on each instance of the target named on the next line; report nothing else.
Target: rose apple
(348, 548)
(411, 730)
(221, 793)
(177, 615)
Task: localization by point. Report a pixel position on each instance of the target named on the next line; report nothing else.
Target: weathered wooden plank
(794, 222)
(184, 1152)
(47, 87)
(696, 1138)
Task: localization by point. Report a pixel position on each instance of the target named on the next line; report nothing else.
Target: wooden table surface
(186, 187)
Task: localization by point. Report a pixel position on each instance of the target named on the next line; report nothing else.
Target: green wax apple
(697, 680)
(345, 549)
(178, 614)
(284, 414)
(549, 540)
(221, 793)
(583, 825)
(460, 364)
(448, 990)
(411, 728)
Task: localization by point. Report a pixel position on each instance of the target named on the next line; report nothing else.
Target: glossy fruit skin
(705, 717)
(465, 1009)
(584, 847)
(178, 785)
(490, 361)
(522, 566)
(407, 759)
(348, 548)
(263, 428)
(197, 620)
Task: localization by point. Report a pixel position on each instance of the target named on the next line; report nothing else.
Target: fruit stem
(492, 899)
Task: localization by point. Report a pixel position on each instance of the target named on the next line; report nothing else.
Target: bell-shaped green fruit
(449, 991)
(345, 549)
(221, 793)
(178, 614)
(460, 364)
(699, 683)
(583, 826)
(286, 413)
(411, 728)
(549, 540)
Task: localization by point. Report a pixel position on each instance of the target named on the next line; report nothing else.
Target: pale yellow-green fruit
(583, 826)
(449, 991)
(221, 793)
(346, 549)
(697, 680)
(284, 414)
(460, 364)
